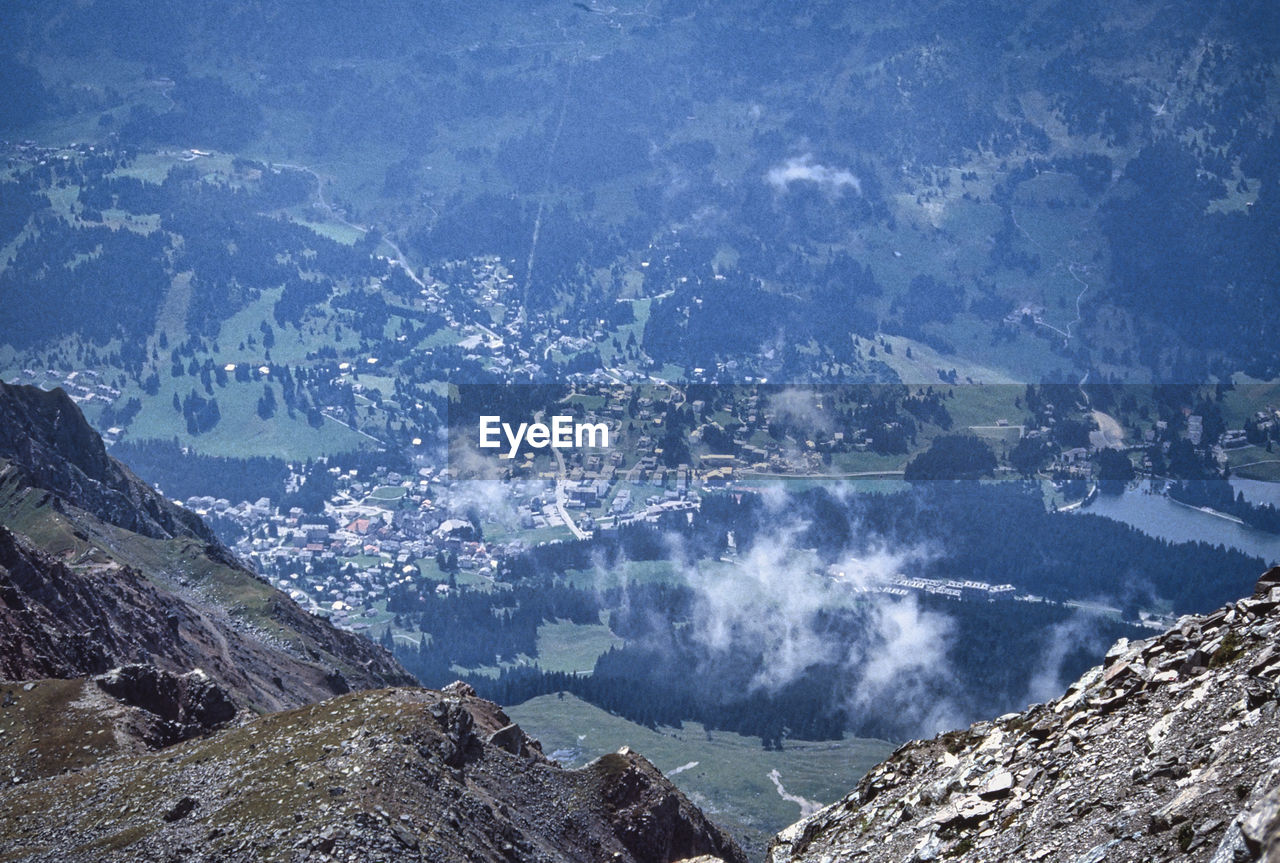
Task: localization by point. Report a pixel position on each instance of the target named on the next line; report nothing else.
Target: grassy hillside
(726, 774)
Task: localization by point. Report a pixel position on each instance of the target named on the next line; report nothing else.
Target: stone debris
(1168, 750)
(183, 705)
(398, 774)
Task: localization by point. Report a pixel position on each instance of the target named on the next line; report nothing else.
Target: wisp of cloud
(771, 601)
(803, 169)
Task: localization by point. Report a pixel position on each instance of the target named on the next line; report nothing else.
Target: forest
(63, 279)
(752, 194)
(999, 643)
(1220, 496)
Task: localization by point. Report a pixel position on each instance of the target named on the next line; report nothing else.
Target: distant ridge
(98, 570)
(44, 433)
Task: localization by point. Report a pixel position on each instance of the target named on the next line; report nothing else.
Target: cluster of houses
(386, 530)
(376, 533)
(85, 386)
(903, 585)
(1262, 427)
(519, 344)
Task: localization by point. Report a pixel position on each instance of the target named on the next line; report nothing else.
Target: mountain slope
(98, 570)
(44, 434)
(391, 774)
(1170, 749)
(101, 576)
(51, 727)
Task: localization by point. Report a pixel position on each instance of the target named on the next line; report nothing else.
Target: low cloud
(775, 600)
(491, 499)
(1051, 676)
(800, 407)
(803, 169)
(900, 665)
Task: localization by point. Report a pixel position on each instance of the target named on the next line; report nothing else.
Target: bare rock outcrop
(98, 570)
(44, 434)
(1169, 749)
(183, 705)
(381, 775)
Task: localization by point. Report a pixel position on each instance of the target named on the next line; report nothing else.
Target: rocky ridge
(390, 774)
(44, 435)
(1168, 750)
(131, 639)
(97, 570)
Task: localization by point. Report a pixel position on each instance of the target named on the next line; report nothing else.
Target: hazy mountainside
(98, 570)
(1170, 749)
(45, 436)
(1089, 187)
(398, 774)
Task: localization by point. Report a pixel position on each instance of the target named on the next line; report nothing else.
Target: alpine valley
(885, 398)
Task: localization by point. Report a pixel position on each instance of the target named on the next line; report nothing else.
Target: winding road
(562, 494)
(399, 260)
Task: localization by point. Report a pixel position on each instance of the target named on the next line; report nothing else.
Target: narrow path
(1255, 463)
(399, 260)
(1084, 289)
(807, 806)
(351, 428)
(1071, 269)
(403, 262)
(562, 494)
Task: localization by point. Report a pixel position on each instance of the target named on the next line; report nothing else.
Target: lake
(1158, 516)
